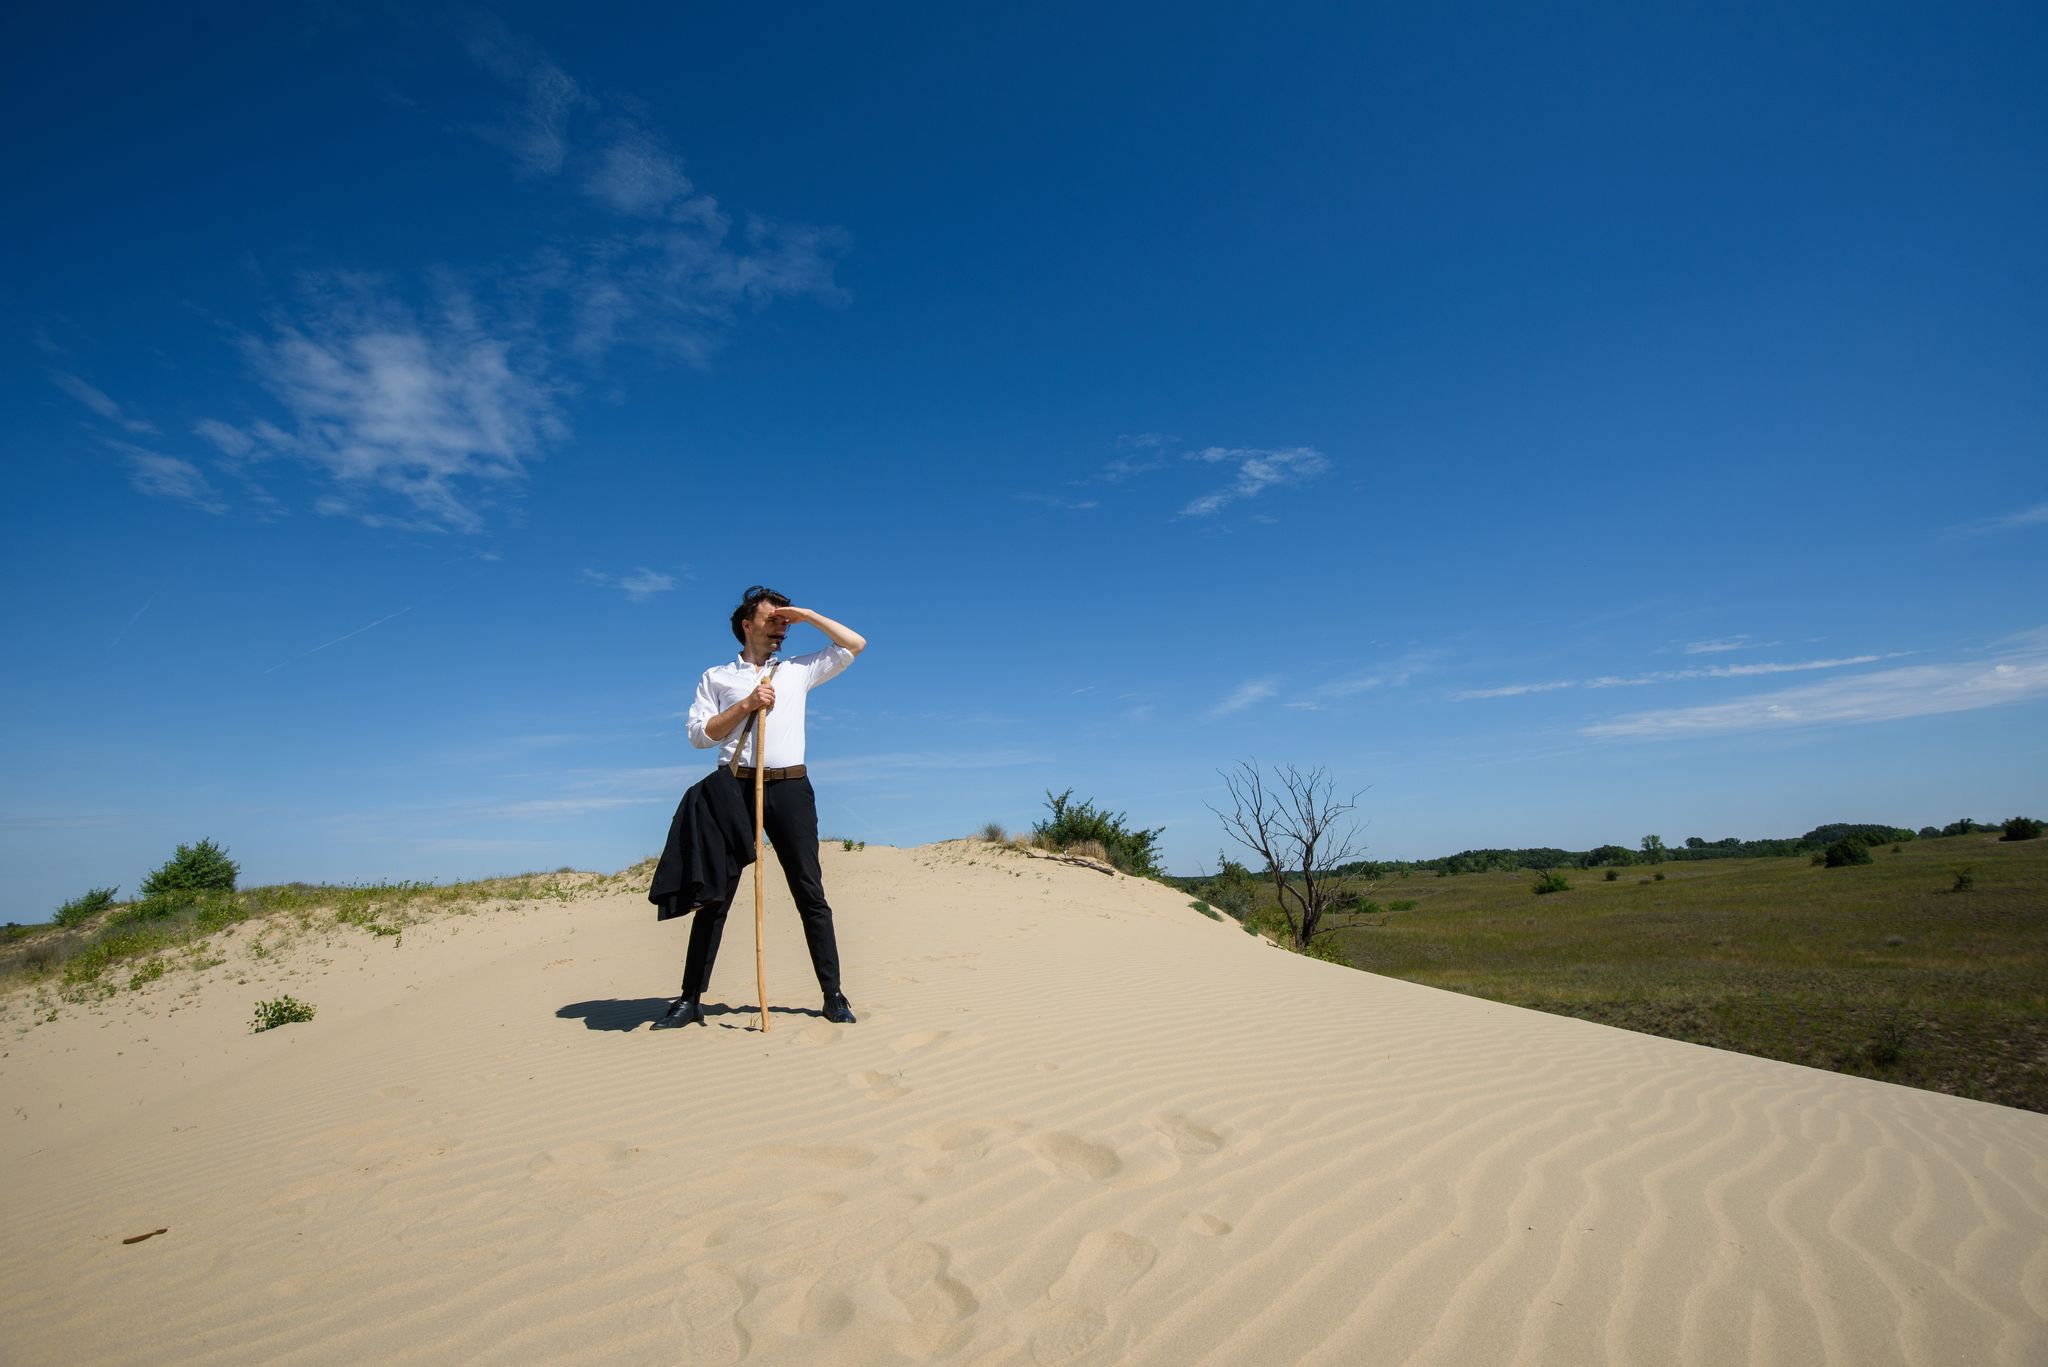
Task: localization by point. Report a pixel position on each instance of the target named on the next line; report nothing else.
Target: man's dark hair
(750, 601)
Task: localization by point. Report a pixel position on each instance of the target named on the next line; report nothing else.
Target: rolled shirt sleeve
(702, 710)
(821, 665)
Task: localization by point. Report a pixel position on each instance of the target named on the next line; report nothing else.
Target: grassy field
(1880, 970)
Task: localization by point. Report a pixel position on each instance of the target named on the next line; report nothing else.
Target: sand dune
(1077, 1122)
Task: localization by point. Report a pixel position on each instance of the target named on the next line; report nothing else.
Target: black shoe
(682, 1011)
(838, 1010)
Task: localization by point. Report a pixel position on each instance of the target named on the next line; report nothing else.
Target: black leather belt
(771, 775)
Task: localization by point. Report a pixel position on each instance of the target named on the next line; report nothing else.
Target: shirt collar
(740, 659)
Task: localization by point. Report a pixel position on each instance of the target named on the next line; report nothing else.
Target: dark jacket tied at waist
(710, 841)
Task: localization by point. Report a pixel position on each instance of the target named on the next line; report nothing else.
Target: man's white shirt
(723, 685)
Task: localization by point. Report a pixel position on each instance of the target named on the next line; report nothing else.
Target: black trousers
(790, 819)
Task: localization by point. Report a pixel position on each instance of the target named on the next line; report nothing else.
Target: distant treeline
(1653, 850)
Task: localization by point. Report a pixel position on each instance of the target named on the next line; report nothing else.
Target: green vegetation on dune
(176, 924)
(1928, 967)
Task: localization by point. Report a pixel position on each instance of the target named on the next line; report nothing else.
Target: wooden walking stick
(760, 790)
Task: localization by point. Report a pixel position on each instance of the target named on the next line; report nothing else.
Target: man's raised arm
(841, 636)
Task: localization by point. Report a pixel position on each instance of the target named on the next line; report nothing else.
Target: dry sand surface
(1077, 1122)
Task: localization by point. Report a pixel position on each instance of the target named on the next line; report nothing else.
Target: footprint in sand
(587, 1159)
(1183, 1135)
(961, 1139)
(1205, 1224)
(1106, 1264)
(877, 1086)
(811, 1155)
(818, 1032)
(916, 1275)
(946, 1041)
(1067, 1155)
(707, 1310)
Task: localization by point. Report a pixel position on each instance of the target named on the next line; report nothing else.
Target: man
(727, 696)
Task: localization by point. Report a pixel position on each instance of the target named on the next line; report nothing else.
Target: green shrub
(1660, 877)
(1133, 851)
(994, 833)
(1965, 880)
(846, 844)
(1268, 921)
(1889, 1044)
(1405, 904)
(1199, 905)
(2022, 828)
(1324, 947)
(1551, 881)
(1613, 874)
(204, 867)
(1845, 852)
(285, 1010)
(79, 909)
(148, 973)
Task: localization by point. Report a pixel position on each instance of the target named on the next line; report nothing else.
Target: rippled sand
(1077, 1122)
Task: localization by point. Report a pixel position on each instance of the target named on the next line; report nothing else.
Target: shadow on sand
(634, 1012)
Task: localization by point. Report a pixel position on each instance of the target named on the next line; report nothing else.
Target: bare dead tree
(1294, 829)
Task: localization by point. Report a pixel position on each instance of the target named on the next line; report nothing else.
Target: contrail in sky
(131, 622)
(366, 626)
(339, 639)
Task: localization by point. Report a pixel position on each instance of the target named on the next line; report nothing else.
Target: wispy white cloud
(99, 403)
(162, 476)
(639, 586)
(1243, 696)
(534, 132)
(424, 404)
(1741, 642)
(1257, 471)
(2035, 516)
(232, 441)
(1054, 501)
(1886, 695)
(58, 821)
(1742, 671)
(638, 175)
(438, 412)
(1511, 690)
(858, 768)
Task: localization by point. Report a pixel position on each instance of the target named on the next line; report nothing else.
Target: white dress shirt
(724, 685)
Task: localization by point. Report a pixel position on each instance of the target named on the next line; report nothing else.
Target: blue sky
(1562, 426)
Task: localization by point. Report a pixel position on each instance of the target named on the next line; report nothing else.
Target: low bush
(994, 833)
(1134, 851)
(1965, 880)
(1613, 874)
(204, 867)
(2022, 828)
(1199, 905)
(1844, 853)
(80, 909)
(1325, 947)
(285, 1010)
(1551, 881)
